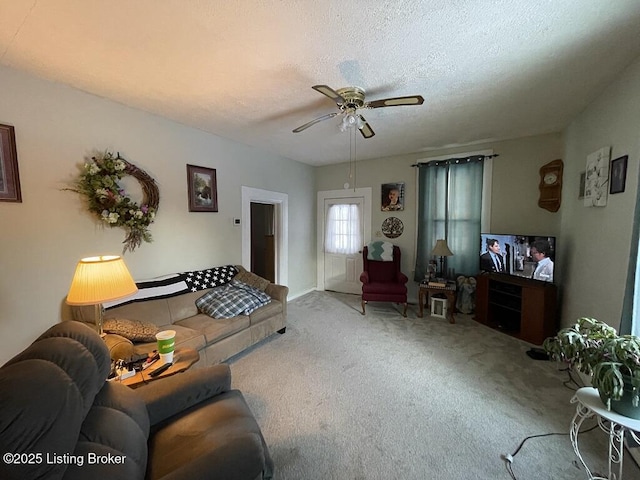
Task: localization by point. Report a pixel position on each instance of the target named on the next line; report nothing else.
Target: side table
(612, 423)
(425, 290)
(183, 359)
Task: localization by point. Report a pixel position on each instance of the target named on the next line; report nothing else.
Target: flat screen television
(527, 256)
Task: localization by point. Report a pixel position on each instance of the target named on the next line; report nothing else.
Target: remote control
(160, 369)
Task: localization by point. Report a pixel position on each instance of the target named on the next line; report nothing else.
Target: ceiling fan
(349, 101)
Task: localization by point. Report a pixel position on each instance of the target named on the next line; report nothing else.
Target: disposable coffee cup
(166, 345)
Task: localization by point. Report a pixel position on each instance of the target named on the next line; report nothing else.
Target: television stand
(521, 307)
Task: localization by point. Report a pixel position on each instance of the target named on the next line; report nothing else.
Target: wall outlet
(236, 221)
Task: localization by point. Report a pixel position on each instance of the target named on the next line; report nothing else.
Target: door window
(342, 232)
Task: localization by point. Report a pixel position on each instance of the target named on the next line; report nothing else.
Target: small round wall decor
(108, 201)
(392, 227)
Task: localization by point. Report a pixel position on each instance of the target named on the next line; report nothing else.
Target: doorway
(341, 272)
(263, 253)
(279, 203)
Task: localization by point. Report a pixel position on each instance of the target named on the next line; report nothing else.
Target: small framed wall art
(618, 179)
(9, 178)
(597, 178)
(392, 197)
(203, 190)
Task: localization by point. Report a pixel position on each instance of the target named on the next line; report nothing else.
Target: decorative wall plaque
(392, 227)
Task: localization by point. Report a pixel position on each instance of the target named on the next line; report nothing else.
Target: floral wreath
(109, 202)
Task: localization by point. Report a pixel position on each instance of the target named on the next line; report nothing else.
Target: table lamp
(441, 250)
(100, 279)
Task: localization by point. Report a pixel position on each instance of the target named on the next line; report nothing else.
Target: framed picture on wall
(9, 178)
(596, 183)
(203, 190)
(618, 178)
(392, 197)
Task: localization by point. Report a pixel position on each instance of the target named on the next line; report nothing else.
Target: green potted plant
(612, 361)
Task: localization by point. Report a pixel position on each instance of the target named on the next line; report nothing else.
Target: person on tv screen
(492, 260)
(540, 250)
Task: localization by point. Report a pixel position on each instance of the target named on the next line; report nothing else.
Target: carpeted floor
(350, 397)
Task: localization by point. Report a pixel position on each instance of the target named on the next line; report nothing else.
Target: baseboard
(300, 294)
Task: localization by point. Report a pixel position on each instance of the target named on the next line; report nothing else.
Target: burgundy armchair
(383, 281)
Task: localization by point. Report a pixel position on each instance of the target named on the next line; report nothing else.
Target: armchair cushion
(221, 436)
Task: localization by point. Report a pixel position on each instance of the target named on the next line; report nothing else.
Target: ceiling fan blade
(366, 130)
(313, 122)
(329, 92)
(396, 101)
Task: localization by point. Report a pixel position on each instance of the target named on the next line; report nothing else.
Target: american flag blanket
(177, 284)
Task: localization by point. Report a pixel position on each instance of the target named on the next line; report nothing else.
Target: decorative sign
(596, 182)
(392, 227)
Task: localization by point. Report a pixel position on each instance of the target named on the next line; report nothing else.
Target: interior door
(342, 271)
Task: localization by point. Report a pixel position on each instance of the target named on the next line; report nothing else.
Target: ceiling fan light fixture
(349, 101)
(351, 120)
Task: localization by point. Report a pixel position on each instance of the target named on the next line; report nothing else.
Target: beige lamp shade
(100, 279)
(441, 249)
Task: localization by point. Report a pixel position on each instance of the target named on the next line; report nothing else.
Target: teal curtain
(630, 321)
(450, 207)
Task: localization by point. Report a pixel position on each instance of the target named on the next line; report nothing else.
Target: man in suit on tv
(492, 260)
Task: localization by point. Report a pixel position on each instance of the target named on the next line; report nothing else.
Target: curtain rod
(456, 160)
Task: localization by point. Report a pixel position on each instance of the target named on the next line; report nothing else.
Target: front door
(343, 241)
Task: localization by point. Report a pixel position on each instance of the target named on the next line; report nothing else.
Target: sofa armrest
(402, 278)
(168, 396)
(364, 277)
(279, 292)
(119, 347)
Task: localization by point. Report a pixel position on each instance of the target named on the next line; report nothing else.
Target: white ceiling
(243, 69)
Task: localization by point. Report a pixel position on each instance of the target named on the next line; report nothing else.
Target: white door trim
(280, 201)
(324, 195)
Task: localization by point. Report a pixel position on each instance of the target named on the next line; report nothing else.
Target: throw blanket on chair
(381, 251)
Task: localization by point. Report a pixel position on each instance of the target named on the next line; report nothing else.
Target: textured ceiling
(243, 69)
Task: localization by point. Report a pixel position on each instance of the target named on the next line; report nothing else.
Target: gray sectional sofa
(216, 339)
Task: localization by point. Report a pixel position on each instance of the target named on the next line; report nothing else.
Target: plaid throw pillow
(256, 292)
(231, 300)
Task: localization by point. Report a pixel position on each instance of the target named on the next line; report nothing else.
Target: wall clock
(392, 227)
(550, 186)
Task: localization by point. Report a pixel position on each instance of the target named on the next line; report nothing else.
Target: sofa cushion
(134, 330)
(218, 329)
(154, 311)
(185, 338)
(252, 279)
